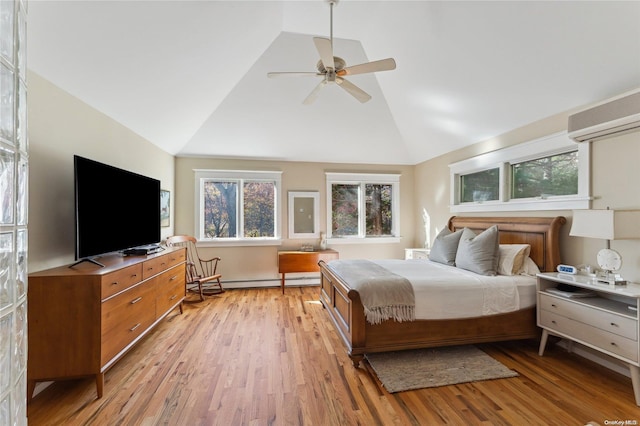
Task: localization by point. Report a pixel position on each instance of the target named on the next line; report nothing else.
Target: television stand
(86, 259)
(81, 321)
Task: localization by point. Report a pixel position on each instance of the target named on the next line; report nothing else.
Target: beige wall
(615, 183)
(60, 126)
(260, 263)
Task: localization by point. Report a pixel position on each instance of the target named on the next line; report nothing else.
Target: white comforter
(446, 292)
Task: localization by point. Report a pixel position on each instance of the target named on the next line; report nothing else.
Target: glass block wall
(14, 164)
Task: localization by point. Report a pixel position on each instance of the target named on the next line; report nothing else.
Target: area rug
(426, 368)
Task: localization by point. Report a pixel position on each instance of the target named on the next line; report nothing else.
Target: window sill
(564, 203)
(240, 243)
(382, 240)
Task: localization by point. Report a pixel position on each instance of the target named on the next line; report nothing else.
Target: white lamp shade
(606, 224)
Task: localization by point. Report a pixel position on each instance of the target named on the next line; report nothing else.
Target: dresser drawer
(176, 257)
(160, 263)
(125, 317)
(153, 266)
(608, 321)
(171, 289)
(601, 339)
(120, 280)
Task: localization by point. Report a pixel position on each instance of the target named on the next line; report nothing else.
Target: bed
(360, 336)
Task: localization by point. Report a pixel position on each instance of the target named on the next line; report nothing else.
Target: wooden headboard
(541, 233)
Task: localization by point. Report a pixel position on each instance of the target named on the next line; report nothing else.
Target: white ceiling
(191, 76)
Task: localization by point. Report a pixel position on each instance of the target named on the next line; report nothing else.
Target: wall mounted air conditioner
(606, 119)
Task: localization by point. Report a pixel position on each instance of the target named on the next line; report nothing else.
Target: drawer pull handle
(173, 297)
(173, 278)
(150, 268)
(136, 300)
(115, 283)
(613, 344)
(134, 327)
(553, 322)
(613, 324)
(553, 305)
(134, 275)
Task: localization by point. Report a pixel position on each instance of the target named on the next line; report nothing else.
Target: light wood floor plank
(258, 357)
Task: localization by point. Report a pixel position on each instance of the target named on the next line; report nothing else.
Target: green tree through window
(548, 176)
(363, 205)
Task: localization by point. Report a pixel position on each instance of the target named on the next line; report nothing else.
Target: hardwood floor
(258, 357)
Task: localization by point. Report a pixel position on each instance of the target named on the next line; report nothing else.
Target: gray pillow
(478, 253)
(445, 247)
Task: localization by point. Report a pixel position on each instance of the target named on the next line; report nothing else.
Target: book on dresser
(82, 320)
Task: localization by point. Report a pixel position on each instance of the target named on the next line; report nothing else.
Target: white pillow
(478, 253)
(529, 267)
(511, 258)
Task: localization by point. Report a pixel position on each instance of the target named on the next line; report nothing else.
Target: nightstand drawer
(596, 337)
(607, 321)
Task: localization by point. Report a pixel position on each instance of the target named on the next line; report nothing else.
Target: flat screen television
(115, 209)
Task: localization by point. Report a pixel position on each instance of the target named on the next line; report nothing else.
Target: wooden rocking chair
(201, 274)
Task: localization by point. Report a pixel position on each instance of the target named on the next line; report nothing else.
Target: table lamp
(608, 225)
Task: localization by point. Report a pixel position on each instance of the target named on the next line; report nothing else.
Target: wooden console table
(302, 261)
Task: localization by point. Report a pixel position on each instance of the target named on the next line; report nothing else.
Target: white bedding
(447, 292)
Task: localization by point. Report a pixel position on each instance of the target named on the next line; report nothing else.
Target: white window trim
(556, 143)
(203, 174)
(359, 178)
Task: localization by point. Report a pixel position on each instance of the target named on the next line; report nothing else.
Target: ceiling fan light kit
(333, 69)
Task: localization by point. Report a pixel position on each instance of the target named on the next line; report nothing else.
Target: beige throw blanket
(384, 294)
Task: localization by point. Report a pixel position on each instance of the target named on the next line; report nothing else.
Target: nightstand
(606, 321)
(416, 253)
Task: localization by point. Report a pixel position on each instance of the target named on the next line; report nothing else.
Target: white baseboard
(293, 282)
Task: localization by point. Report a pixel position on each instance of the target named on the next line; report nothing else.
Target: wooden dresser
(81, 320)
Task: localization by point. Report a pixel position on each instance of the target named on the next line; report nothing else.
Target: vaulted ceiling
(191, 76)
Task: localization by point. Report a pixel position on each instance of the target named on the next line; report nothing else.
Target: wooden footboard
(360, 337)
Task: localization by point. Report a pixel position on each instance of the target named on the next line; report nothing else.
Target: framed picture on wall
(304, 215)
(165, 207)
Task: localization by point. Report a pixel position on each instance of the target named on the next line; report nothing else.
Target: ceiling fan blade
(354, 90)
(326, 51)
(293, 74)
(375, 66)
(314, 93)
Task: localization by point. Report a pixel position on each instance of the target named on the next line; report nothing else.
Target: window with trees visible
(480, 186)
(546, 176)
(237, 206)
(363, 206)
(550, 173)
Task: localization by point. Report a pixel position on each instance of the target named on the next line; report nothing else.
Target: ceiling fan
(333, 69)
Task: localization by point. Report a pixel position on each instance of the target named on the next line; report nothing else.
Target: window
(550, 173)
(363, 206)
(480, 186)
(546, 176)
(236, 207)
